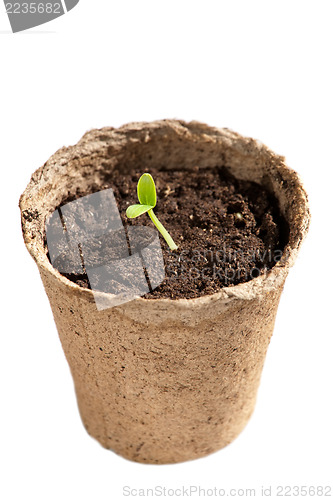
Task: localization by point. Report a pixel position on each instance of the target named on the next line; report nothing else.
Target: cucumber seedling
(147, 198)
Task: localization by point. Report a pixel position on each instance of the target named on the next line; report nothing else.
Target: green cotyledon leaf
(146, 190)
(136, 210)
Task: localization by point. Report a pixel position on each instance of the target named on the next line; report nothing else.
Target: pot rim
(88, 145)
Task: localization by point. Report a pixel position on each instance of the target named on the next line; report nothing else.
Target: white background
(262, 68)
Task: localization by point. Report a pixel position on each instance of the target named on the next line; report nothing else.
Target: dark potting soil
(228, 231)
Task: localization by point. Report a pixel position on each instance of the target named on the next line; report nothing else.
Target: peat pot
(161, 380)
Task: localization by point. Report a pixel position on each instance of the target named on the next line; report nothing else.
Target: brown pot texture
(163, 381)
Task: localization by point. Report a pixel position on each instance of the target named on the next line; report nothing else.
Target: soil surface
(227, 231)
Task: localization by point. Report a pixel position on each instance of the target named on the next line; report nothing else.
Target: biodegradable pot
(164, 381)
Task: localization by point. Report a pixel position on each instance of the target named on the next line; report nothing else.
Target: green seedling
(147, 198)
